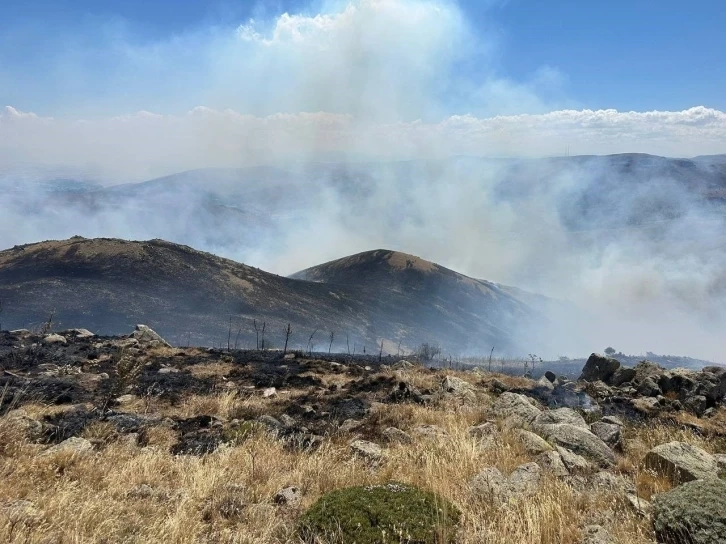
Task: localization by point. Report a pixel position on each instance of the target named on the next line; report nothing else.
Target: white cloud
(145, 144)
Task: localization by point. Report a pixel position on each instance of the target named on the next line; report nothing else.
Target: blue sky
(61, 56)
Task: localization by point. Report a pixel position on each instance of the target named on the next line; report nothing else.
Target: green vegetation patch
(390, 513)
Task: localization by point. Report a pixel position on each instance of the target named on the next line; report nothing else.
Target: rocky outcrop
(578, 440)
(514, 409)
(599, 367)
(147, 337)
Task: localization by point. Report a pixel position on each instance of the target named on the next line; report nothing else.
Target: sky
(126, 91)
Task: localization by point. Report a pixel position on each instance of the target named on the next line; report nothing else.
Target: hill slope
(108, 285)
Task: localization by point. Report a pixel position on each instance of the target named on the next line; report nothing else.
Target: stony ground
(129, 440)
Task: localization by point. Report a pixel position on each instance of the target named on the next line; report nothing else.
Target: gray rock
(270, 422)
(397, 436)
(489, 484)
(607, 481)
(169, 370)
(599, 367)
(288, 496)
(551, 376)
(693, 513)
(544, 384)
(615, 420)
(576, 464)
(20, 332)
(72, 446)
(551, 461)
(696, 404)
(430, 431)
(269, 392)
(515, 409)
(681, 462)
(484, 430)
(26, 427)
(649, 387)
(596, 534)
(126, 399)
(532, 443)
(349, 425)
(79, 333)
(720, 462)
(451, 385)
(607, 432)
(647, 405)
(622, 375)
(560, 415)
(148, 337)
(55, 339)
(403, 365)
(641, 506)
(368, 450)
(524, 480)
(578, 440)
(287, 421)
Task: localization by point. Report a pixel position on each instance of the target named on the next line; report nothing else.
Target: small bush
(391, 513)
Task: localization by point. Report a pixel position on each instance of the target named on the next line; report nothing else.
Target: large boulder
(491, 484)
(681, 462)
(532, 442)
(622, 375)
(380, 513)
(694, 513)
(461, 389)
(578, 440)
(515, 409)
(607, 432)
(599, 367)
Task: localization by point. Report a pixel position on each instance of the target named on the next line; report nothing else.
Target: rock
(599, 367)
(573, 462)
(26, 427)
(287, 421)
(269, 392)
(560, 415)
(484, 430)
(646, 406)
(397, 436)
(596, 534)
(349, 425)
(403, 365)
(600, 390)
(649, 387)
(551, 376)
(55, 339)
(693, 513)
(578, 440)
(681, 462)
(20, 332)
(607, 481)
(169, 370)
(404, 391)
(489, 484)
(621, 375)
(79, 333)
(368, 450)
(430, 431)
(551, 461)
(288, 496)
(514, 409)
(270, 422)
(720, 462)
(532, 443)
(72, 446)
(288, 356)
(524, 480)
(615, 420)
(148, 337)
(451, 385)
(696, 404)
(607, 432)
(641, 506)
(543, 384)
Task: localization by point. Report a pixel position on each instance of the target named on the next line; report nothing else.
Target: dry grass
(128, 492)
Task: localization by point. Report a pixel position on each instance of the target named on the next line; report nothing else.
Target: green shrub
(390, 513)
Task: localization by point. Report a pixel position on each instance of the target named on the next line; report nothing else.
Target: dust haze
(305, 152)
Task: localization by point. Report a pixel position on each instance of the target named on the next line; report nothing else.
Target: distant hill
(109, 285)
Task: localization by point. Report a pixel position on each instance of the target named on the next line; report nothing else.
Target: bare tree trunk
(229, 333)
(236, 340)
(490, 359)
(264, 324)
(332, 337)
(380, 353)
(347, 342)
(257, 335)
(310, 342)
(288, 332)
